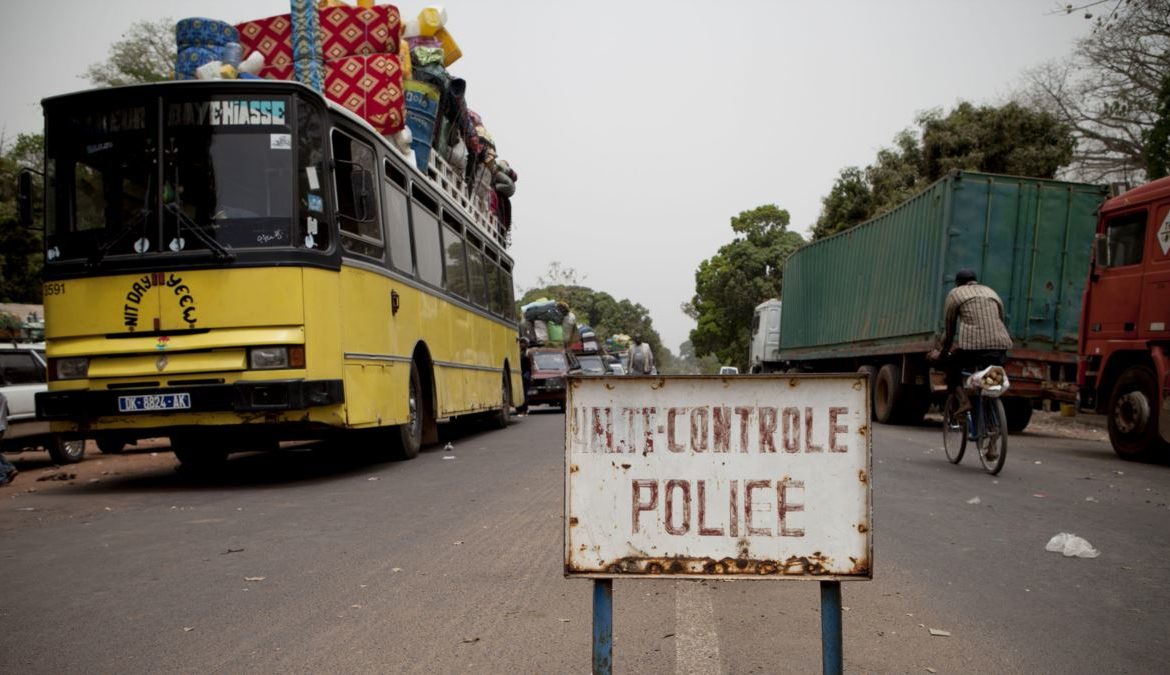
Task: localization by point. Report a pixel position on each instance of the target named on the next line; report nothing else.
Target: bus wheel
(62, 451)
(501, 418)
(1133, 415)
(410, 434)
(111, 445)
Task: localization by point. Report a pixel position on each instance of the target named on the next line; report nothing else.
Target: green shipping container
(879, 287)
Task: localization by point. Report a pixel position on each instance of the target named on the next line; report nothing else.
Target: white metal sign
(760, 476)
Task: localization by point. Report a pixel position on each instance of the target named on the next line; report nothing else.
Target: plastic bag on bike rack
(992, 381)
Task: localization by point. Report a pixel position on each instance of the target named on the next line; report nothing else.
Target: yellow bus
(232, 264)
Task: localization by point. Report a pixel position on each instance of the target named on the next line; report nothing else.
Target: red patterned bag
(349, 31)
(371, 87)
(272, 37)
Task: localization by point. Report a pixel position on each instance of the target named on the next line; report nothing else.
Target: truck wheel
(914, 404)
(62, 451)
(1019, 413)
(1133, 415)
(870, 373)
(887, 393)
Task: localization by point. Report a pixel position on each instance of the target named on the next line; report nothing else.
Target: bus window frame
(398, 182)
(447, 224)
(342, 233)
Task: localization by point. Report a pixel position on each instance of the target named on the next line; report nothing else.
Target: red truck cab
(1124, 365)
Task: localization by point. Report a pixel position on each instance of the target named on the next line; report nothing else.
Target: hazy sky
(638, 129)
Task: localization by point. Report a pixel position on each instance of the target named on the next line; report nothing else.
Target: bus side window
(397, 220)
(507, 299)
(427, 247)
(454, 259)
(1126, 237)
(493, 277)
(357, 196)
(475, 271)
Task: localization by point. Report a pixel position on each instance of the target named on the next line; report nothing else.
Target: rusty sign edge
(726, 568)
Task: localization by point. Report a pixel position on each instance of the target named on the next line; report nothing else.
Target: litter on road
(1071, 545)
(974, 500)
(937, 632)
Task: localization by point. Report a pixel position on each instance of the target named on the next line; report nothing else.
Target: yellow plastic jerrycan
(451, 52)
(431, 20)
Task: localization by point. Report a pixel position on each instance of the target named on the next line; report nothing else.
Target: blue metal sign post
(602, 626)
(831, 654)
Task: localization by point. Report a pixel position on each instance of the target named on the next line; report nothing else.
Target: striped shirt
(975, 313)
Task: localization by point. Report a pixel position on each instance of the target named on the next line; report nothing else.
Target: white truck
(764, 356)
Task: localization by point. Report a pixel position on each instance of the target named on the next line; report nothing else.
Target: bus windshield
(207, 175)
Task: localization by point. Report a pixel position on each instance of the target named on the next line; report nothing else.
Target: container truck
(765, 347)
(1125, 329)
(870, 299)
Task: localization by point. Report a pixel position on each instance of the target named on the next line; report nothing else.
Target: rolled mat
(349, 31)
(200, 32)
(371, 87)
(306, 45)
(191, 58)
(422, 107)
(272, 37)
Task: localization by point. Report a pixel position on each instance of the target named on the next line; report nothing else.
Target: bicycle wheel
(993, 436)
(954, 430)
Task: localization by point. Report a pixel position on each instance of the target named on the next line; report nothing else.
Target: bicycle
(985, 423)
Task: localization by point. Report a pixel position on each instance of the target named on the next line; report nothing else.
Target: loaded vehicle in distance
(1124, 370)
(547, 371)
(870, 299)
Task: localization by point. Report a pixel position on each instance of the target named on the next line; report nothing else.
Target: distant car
(546, 375)
(728, 370)
(592, 364)
(23, 373)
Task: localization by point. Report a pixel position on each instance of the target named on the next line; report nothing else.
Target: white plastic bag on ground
(1071, 545)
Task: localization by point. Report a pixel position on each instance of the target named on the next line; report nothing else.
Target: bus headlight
(269, 358)
(71, 368)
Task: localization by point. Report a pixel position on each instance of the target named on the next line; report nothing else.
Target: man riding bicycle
(975, 332)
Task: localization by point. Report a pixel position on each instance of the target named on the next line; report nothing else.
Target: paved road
(317, 560)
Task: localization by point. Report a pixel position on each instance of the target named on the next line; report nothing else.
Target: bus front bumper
(254, 396)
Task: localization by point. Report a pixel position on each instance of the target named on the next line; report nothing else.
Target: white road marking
(696, 640)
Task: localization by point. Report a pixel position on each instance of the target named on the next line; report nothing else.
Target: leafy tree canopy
(730, 284)
(1009, 139)
(20, 245)
(146, 53)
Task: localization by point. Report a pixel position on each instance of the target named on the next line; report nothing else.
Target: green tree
(730, 284)
(20, 244)
(1157, 137)
(146, 53)
(1009, 139)
(1107, 90)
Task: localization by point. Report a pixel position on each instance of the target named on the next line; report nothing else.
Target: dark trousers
(970, 361)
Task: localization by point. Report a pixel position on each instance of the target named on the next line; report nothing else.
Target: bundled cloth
(352, 52)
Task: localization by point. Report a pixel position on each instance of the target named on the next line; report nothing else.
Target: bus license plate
(150, 402)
